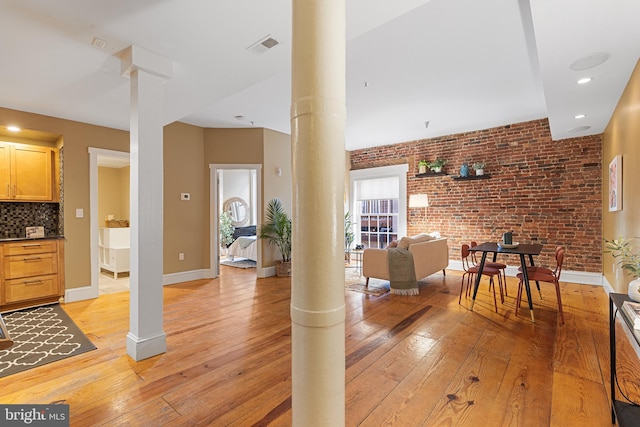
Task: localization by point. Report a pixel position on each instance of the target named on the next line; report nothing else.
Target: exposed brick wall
(546, 191)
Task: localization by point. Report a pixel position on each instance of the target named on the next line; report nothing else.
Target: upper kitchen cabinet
(28, 173)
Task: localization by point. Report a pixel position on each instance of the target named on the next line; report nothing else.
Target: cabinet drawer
(16, 290)
(31, 247)
(30, 265)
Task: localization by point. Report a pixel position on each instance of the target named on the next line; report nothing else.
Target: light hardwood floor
(411, 361)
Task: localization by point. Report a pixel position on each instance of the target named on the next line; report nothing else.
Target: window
(378, 222)
(378, 199)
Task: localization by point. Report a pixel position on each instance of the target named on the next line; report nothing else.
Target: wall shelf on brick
(430, 174)
(461, 178)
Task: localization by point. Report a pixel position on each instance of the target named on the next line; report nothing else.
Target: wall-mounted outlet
(185, 196)
(181, 256)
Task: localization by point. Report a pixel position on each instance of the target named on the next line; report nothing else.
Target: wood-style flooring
(410, 361)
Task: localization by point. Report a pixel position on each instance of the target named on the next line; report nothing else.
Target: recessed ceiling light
(579, 129)
(590, 61)
(584, 80)
(581, 116)
(13, 128)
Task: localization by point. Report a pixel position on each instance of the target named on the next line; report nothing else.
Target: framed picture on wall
(615, 184)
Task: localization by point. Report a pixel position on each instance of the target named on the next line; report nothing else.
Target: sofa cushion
(407, 241)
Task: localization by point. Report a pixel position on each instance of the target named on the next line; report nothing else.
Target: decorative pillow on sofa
(405, 242)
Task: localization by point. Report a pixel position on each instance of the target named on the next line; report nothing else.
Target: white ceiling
(462, 65)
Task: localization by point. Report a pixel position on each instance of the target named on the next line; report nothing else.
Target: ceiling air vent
(263, 45)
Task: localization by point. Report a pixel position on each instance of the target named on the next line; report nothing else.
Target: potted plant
(349, 236)
(277, 231)
(436, 165)
(479, 168)
(629, 260)
(422, 166)
(226, 230)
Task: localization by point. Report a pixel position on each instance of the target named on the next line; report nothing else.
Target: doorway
(235, 187)
(109, 220)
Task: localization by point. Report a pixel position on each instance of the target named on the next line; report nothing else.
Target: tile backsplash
(16, 217)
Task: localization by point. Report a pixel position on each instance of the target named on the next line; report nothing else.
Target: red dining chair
(541, 274)
(470, 271)
(542, 269)
(497, 265)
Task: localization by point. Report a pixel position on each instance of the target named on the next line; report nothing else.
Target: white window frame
(399, 171)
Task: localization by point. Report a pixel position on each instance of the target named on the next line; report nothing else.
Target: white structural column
(147, 72)
(317, 298)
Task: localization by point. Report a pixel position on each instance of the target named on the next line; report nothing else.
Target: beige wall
(113, 193)
(184, 221)
(277, 154)
(622, 136)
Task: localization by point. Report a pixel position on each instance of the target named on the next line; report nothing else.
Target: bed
(244, 243)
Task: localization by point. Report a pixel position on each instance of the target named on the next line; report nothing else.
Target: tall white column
(147, 72)
(317, 298)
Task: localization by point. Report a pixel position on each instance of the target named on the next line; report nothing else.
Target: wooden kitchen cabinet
(28, 173)
(32, 273)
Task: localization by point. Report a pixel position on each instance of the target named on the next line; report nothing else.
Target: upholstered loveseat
(430, 255)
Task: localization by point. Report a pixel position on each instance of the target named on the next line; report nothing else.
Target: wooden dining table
(523, 250)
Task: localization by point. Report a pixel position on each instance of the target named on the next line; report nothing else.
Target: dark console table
(627, 414)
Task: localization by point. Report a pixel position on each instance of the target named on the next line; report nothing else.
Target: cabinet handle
(32, 259)
(32, 245)
(32, 282)
(15, 191)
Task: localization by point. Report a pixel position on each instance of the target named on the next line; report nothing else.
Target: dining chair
(542, 269)
(546, 275)
(471, 270)
(497, 265)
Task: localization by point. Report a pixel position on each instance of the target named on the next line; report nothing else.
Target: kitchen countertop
(18, 239)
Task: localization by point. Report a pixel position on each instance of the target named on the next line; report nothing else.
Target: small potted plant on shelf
(479, 168)
(629, 260)
(422, 166)
(436, 165)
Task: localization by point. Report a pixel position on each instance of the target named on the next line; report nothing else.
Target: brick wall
(546, 191)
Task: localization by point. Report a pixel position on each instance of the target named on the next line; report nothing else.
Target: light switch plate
(79, 213)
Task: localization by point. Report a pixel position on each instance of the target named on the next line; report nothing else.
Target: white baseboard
(266, 272)
(187, 276)
(80, 294)
(87, 292)
(143, 348)
(580, 277)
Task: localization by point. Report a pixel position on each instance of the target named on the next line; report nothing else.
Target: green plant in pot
(436, 165)
(226, 230)
(479, 168)
(423, 165)
(277, 231)
(349, 236)
(628, 258)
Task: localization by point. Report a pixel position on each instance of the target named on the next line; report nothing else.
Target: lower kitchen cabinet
(32, 273)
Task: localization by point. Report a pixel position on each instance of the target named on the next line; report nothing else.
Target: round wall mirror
(238, 210)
